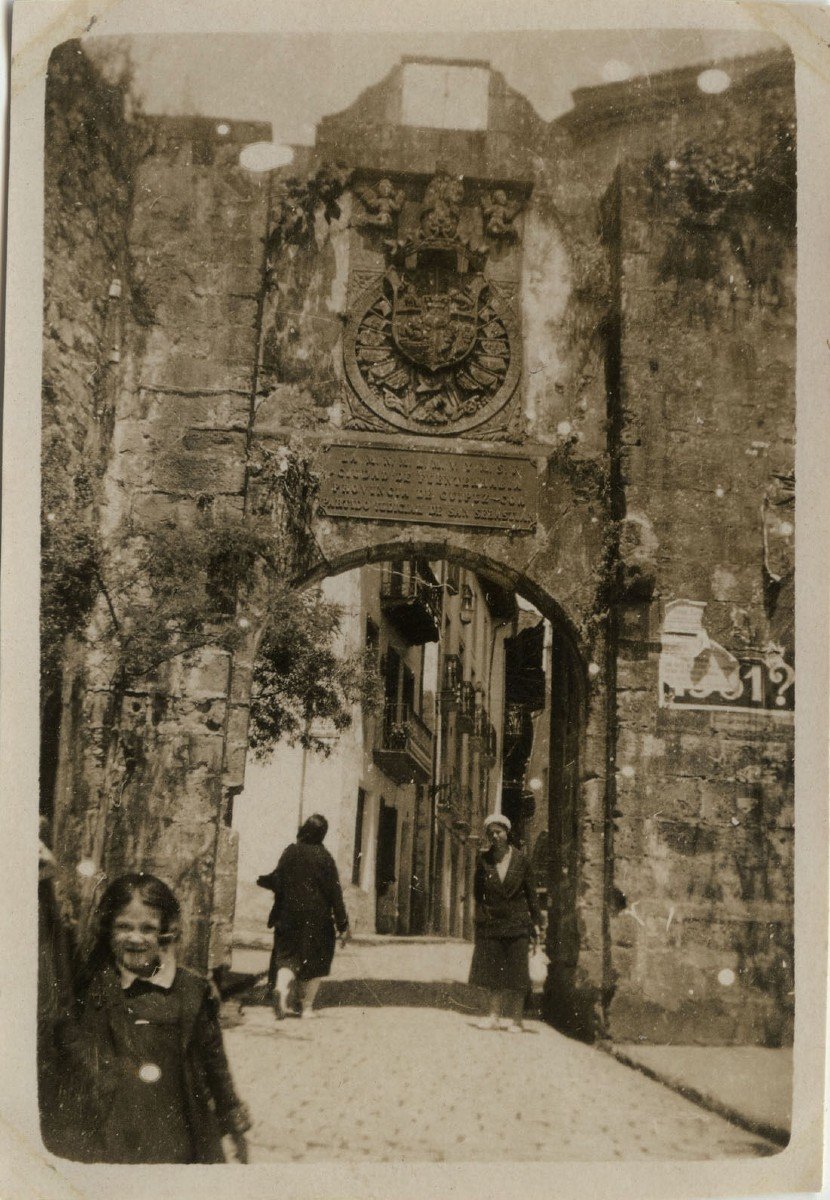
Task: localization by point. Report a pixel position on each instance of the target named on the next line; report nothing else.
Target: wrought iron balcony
(453, 678)
(480, 723)
(411, 598)
(517, 717)
(487, 739)
(466, 707)
(448, 798)
(404, 745)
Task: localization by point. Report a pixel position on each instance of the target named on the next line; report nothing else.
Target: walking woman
(308, 905)
(507, 914)
(152, 1083)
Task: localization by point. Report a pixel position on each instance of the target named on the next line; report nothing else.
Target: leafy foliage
(298, 201)
(174, 588)
(71, 558)
(303, 684)
(719, 183)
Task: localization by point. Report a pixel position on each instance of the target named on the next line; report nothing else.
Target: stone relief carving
(499, 214)
(381, 205)
(434, 348)
(442, 206)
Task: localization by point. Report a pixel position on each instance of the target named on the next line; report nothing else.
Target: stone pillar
(149, 766)
(702, 936)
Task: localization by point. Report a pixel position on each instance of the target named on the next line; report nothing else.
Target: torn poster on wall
(697, 672)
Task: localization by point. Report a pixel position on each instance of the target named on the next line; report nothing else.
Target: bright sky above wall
(292, 80)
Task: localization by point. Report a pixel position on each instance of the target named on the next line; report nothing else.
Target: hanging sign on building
(697, 672)
(428, 487)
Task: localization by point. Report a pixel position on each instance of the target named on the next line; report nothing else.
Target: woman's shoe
(487, 1023)
(307, 1014)
(515, 1027)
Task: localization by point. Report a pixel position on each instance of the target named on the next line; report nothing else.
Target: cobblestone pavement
(423, 1084)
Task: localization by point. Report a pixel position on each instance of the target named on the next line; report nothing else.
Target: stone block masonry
(140, 779)
(703, 843)
(653, 347)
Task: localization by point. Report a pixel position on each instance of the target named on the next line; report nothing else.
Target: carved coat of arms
(433, 349)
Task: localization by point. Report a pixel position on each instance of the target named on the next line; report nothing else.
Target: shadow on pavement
(365, 993)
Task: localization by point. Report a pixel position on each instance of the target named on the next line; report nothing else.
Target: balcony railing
(411, 598)
(466, 707)
(404, 746)
(516, 717)
(448, 797)
(453, 678)
(486, 738)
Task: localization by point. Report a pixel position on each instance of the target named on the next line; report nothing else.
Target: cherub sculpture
(382, 205)
(499, 215)
(442, 205)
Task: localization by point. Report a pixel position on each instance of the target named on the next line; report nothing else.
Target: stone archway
(576, 863)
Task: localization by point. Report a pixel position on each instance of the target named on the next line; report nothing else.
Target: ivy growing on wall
(96, 139)
(174, 588)
(720, 194)
(72, 557)
(297, 204)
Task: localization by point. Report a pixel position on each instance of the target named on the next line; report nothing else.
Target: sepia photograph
(416, 467)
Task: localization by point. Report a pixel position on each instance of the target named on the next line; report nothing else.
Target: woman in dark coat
(152, 1083)
(308, 905)
(507, 914)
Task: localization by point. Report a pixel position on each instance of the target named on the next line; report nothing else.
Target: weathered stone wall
(146, 771)
(197, 235)
(88, 193)
(647, 367)
(703, 840)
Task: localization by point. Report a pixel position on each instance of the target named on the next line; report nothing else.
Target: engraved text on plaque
(428, 487)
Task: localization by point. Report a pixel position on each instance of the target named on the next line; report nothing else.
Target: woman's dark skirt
(500, 964)
(305, 947)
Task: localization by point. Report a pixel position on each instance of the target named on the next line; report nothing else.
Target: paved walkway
(749, 1084)
(394, 1069)
(423, 1084)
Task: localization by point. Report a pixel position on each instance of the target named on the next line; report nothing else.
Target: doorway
(386, 869)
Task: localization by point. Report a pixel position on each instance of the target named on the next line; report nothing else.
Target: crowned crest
(435, 316)
(431, 350)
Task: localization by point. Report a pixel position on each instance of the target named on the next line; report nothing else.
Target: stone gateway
(560, 354)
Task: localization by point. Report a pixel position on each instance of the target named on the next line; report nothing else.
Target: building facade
(406, 786)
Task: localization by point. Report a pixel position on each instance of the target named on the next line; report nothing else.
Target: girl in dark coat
(507, 913)
(152, 1080)
(308, 905)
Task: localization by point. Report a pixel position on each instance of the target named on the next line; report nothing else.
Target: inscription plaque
(428, 487)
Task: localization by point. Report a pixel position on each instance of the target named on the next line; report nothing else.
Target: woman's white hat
(497, 819)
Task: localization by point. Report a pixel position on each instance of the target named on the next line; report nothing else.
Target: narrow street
(392, 1077)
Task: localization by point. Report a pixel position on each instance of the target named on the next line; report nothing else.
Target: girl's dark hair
(313, 830)
(148, 888)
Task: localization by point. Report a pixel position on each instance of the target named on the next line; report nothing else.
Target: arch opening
(482, 707)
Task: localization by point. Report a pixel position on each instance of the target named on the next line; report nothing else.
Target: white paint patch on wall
(544, 294)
